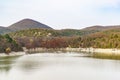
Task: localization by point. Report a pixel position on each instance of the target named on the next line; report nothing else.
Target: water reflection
(61, 67)
(38, 61)
(6, 63)
(28, 64)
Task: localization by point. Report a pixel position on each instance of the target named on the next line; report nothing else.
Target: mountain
(97, 27)
(27, 24)
(4, 30)
(101, 28)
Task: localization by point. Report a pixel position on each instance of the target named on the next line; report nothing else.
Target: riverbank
(12, 54)
(87, 50)
(90, 52)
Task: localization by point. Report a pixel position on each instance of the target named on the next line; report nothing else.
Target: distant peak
(28, 24)
(27, 19)
(96, 26)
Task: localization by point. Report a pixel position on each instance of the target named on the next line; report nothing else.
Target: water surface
(64, 66)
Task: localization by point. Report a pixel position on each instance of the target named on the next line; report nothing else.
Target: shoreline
(59, 50)
(12, 54)
(87, 50)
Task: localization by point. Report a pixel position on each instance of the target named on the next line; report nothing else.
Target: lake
(58, 66)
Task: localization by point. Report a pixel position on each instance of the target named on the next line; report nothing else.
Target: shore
(100, 53)
(87, 50)
(12, 54)
(58, 50)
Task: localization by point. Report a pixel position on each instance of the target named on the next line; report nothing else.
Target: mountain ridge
(101, 28)
(27, 23)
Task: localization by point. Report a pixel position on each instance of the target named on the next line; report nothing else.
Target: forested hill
(103, 39)
(67, 38)
(101, 28)
(46, 37)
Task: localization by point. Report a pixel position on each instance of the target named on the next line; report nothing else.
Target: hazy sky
(61, 13)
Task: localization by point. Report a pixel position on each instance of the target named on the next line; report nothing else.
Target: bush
(7, 50)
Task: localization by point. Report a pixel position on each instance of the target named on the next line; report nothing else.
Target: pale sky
(61, 14)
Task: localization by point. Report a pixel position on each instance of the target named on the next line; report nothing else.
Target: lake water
(68, 66)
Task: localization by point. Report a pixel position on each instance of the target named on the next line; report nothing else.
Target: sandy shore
(12, 54)
(88, 50)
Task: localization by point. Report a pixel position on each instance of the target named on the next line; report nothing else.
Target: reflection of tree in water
(29, 65)
(6, 63)
(5, 68)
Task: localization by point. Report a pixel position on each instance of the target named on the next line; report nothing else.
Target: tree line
(104, 39)
(48, 39)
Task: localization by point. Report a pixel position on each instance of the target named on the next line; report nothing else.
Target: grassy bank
(106, 56)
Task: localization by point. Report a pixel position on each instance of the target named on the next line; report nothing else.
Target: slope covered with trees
(50, 33)
(54, 39)
(107, 39)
